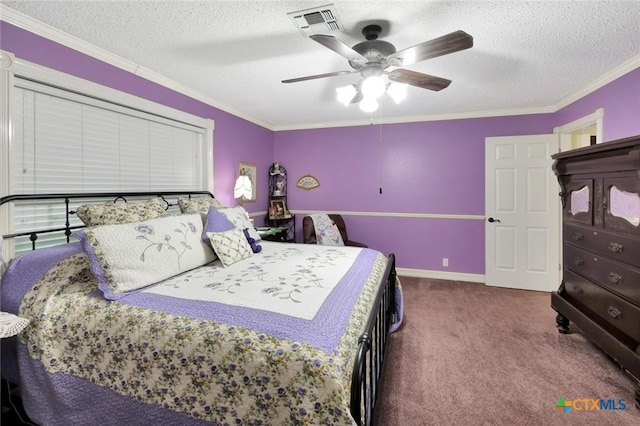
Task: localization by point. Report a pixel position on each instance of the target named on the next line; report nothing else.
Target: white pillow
(128, 257)
(240, 218)
(231, 246)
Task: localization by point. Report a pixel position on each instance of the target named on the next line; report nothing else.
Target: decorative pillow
(330, 236)
(215, 222)
(128, 257)
(231, 246)
(116, 213)
(240, 218)
(198, 205)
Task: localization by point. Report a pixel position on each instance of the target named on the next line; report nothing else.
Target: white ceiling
(527, 56)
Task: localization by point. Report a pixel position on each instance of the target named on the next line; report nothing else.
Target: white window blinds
(64, 142)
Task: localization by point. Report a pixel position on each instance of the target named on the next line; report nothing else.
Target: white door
(522, 213)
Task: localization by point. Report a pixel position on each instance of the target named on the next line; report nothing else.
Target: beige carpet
(468, 354)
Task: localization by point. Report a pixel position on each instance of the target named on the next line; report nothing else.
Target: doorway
(582, 132)
(521, 204)
(514, 246)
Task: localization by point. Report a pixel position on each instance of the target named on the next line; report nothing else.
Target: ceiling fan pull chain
(380, 156)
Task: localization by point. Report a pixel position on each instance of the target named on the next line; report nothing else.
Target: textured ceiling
(526, 55)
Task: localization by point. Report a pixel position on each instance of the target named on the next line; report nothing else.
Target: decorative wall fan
(372, 57)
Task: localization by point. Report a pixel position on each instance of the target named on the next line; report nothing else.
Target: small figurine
(255, 247)
(276, 169)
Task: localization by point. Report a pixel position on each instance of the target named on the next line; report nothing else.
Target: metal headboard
(66, 198)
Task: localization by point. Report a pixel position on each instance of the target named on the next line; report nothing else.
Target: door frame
(565, 130)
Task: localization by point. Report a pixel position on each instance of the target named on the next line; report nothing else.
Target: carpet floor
(468, 354)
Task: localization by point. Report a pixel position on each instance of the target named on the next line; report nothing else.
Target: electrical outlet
(445, 261)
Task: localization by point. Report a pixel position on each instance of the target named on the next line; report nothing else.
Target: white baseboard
(440, 275)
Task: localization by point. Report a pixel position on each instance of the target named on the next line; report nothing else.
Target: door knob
(491, 220)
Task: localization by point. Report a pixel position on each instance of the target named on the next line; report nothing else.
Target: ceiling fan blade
(313, 77)
(357, 98)
(449, 43)
(418, 79)
(339, 47)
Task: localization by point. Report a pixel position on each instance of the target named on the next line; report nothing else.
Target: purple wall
(621, 102)
(235, 139)
(430, 167)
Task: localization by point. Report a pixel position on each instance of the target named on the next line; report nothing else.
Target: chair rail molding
(397, 214)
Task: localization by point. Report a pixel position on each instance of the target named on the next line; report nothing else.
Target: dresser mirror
(625, 205)
(580, 201)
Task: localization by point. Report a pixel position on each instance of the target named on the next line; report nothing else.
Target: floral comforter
(222, 357)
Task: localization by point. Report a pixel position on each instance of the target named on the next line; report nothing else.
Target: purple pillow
(216, 222)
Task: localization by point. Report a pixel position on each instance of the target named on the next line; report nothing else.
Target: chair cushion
(327, 232)
(309, 233)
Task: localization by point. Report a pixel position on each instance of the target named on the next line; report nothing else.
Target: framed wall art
(308, 182)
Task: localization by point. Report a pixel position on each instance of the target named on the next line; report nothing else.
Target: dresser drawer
(606, 305)
(618, 277)
(614, 246)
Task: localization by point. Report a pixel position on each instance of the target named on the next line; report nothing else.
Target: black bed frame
(372, 344)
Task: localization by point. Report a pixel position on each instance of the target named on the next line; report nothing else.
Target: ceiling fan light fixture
(397, 91)
(373, 87)
(368, 105)
(372, 57)
(346, 94)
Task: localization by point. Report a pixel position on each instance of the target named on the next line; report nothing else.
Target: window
(65, 142)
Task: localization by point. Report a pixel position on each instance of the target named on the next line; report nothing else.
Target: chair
(309, 231)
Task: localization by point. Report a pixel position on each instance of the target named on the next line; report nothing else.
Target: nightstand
(278, 234)
(288, 224)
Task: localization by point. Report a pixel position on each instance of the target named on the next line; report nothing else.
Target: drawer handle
(613, 312)
(615, 278)
(578, 261)
(577, 236)
(615, 247)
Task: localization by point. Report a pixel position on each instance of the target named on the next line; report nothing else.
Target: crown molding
(598, 83)
(419, 118)
(396, 214)
(40, 28)
(32, 25)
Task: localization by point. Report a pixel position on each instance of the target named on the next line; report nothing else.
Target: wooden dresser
(600, 290)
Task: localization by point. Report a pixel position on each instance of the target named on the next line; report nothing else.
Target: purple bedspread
(26, 270)
(21, 274)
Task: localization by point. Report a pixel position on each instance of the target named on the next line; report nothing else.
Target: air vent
(317, 20)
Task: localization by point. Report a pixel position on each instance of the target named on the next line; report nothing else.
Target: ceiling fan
(372, 57)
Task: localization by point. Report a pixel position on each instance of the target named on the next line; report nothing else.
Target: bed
(288, 334)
